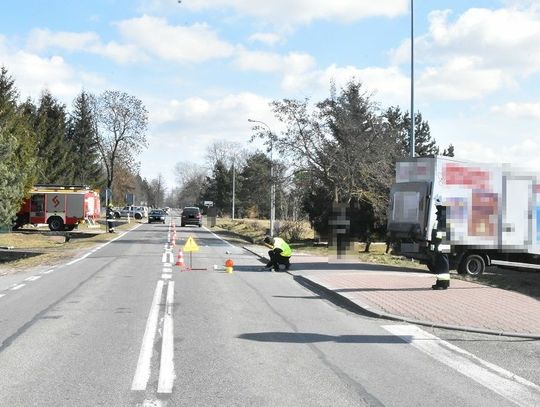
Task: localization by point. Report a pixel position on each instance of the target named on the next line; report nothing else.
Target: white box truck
(479, 214)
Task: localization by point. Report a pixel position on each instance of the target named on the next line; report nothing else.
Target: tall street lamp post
(413, 141)
(233, 186)
(272, 186)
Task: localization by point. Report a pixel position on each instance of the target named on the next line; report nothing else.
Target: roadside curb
(369, 311)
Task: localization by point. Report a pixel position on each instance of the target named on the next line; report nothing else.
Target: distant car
(191, 215)
(137, 212)
(156, 215)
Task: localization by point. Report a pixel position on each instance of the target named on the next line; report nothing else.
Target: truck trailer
(478, 214)
(62, 207)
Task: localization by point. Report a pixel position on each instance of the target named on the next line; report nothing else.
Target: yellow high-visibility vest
(279, 243)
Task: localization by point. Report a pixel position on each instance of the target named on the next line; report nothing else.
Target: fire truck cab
(62, 207)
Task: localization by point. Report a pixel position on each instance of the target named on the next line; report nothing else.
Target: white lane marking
(513, 388)
(166, 367)
(2, 295)
(164, 257)
(17, 287)
(47, 272)
(154, 403)
(166, 276)
(208, 230)
(171, 257)
(142, 373)
(102, 246)
(33, 278)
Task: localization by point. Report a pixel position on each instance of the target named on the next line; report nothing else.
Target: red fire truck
(62, 207)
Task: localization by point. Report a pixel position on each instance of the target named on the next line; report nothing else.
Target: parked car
(156, 215)
(137, 212)
(191, 215)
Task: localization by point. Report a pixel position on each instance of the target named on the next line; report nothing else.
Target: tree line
(95, 143)
(335, 156)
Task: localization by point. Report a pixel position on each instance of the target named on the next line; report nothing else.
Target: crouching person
(280, 253)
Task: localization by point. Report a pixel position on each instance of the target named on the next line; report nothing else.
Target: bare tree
(190, 178)
(122, 121)
(228, 152)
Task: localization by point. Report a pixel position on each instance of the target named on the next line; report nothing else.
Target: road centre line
(208, 230)
(17, 287)
(513, 388)
(166, 367)
(47, 272)
(142, 372)
(2, 295)
(32, 278)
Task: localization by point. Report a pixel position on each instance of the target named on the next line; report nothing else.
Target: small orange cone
(180, 259)
(229, 264)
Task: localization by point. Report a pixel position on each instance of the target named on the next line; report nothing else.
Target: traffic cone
(229, 264)
(180, 259)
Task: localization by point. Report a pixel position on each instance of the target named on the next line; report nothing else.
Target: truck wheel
(56, 224)
(472, 265)
(138, 216)
(117, 215)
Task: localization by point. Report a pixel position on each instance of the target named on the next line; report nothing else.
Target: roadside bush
(295, 230)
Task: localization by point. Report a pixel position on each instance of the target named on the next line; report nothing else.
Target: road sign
(191, 246)
(208, 203)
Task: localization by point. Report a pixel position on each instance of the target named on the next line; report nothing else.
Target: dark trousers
(110, 225)
(276, 259)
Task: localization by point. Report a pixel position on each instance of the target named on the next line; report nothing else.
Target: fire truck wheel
(56, 223)
(472, 265)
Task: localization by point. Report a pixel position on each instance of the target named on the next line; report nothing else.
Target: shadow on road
(307, 337)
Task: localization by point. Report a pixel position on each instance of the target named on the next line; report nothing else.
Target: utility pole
(412, 140)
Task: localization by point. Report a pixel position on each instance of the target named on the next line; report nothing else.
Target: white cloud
(181, 130)
(293, 62)
(287, 12)
(33, 74)
(266, 38)
(195, 43)
(460, 79)
(389, 85)
(518, 110)
(43, 39)
(482, 51)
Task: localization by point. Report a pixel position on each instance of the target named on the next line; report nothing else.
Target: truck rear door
(409, 210)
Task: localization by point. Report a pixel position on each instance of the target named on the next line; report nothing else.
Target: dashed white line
(513, 388)
(33, 278)
(17, 287)
(2, 295)
(166, 276)
(142, 373)
(47, 272)
(166, 368)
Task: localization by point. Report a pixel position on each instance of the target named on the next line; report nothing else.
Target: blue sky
(203, 67)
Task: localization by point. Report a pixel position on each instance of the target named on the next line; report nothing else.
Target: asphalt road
(121, 327)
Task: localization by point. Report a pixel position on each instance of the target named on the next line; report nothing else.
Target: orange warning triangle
(190, 245)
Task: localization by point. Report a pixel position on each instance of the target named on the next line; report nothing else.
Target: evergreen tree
(17, 157)
(219, 187)
(400, 123)
(82, 136)
(53, 147)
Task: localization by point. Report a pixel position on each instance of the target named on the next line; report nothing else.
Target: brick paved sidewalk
(409, 296)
